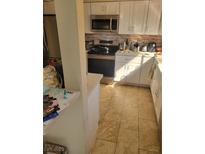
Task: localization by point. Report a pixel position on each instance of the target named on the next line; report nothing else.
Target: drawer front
(129, 59)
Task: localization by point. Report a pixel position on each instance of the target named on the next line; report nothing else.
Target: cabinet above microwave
(105, 8)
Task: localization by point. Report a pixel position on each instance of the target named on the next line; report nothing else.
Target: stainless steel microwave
(104, 23)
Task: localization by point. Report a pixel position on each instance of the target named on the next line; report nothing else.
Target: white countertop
(63, 104)
(92, 80)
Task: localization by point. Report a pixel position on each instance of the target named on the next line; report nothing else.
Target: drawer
(128, 59)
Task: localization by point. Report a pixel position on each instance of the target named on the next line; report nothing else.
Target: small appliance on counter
(148, 47)
(151, 47)
(132, 45)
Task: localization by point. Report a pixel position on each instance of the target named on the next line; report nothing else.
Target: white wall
(71, 130)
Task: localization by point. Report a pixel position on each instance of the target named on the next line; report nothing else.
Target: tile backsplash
(117, 38)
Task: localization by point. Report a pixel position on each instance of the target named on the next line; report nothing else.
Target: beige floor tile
(112, 115)
(130, 112)
(106, 92)
(145, 100)
(131, 104)
(118, 99)
(148, 135)
(119, 90)
(128, 136)
(146, 111)
(117, 104)
(131, 124)
(147, 152)
(126, 148)
(145, 92)
(127, 117)
(104, 147)
(108, 130)
(132, 91)
(104, 107)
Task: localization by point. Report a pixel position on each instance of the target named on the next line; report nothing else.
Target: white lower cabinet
(156, 90)
(127, 68)
(146, 70)
(133, 69)
(133, 73)
(120, 71)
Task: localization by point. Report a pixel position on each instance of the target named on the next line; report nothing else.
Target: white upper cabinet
(87, 17)
(105, 8)
(133, 17)
(153, 17)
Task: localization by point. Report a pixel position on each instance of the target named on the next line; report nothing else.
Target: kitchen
(123, 43)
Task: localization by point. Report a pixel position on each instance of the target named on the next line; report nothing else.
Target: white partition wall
(71, 130)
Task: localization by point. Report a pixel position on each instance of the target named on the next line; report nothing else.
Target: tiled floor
(127, 121)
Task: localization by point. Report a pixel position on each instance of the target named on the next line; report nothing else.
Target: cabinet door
(139, 16)
(158, 102)
(120, 71)
(154, 85)
(156, 90)
(133, 73)
(112, 8)
(125, 22)
(133, 17)
(98, 8)
(146, 70)
(154, 16)
(87, 17)
(105, 8)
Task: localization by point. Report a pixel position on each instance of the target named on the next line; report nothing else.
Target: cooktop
(103, 49)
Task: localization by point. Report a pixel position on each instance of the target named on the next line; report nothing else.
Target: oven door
(102, 66)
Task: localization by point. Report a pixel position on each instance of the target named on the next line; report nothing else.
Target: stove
(103, 49)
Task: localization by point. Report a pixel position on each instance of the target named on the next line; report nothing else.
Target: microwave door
(101, 24)
(114, 24)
